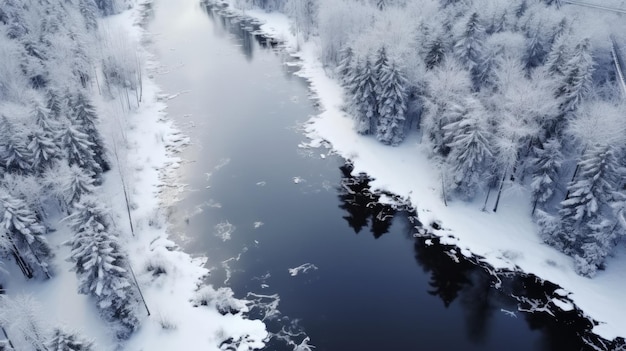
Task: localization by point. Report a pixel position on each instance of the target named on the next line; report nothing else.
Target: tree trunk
(486, 199)
(443, 190)
(495, 207)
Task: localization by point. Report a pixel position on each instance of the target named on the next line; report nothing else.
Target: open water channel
(256, 204)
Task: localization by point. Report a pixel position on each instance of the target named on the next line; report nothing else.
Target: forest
(53, 156)
(522, 95)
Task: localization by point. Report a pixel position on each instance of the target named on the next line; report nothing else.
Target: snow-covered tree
(585, 212)
(468, 46)
(21, 318)
(101, 265)
(559, 54)
(345, 69)
(364, 98)
(14, 154)
(26, 235)
(535, 51)
(89, 11)
(545, 171)
(470, 149)
(447, 86)
(304, 15)
(106, 7)
(435, 52)
(43, 149)
(392, 105)
(577, 77)
(64, 340)
(75, 184)
(79, 150)
(84, 114)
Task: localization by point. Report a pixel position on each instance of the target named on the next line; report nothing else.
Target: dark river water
(256, 204)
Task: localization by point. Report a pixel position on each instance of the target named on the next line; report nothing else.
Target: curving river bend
(258, 205)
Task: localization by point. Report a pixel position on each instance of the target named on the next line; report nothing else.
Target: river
(257, 204)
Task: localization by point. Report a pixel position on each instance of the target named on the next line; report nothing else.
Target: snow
(303, 268)
(564, 305)
(406, 170)
(169, 279)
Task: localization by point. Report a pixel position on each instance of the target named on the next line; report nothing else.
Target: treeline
(504, 94)
(53, 157)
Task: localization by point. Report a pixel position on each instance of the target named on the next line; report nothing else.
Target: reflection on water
(481, 293)
(245, 29)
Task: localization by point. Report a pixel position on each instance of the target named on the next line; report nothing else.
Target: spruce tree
(63, 340)
(84, 114)
(559, 54)
(14, 154)
(26, 234)
(75, 185)
(101, 265)
(469, 44)
(545, 171)
(79, 151)
(345, 69)
(89, 11)
(577, 78)
(392, 106)
(535, 51)
(435, 52)
(43, 149)
(364, 99)
(584, 214)
(470, 149)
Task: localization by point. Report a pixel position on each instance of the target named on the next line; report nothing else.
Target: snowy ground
(169, 278)
(507, 239)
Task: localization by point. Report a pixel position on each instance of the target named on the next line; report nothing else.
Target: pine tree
(535, 51)
(546, 166)
(101, 265)
(584, 213)
(392, 106)
(382, 62)
(84, 114)
(106, 7)
(447, 85)
(14, 154)
(63, 340)
(364, 99)
(577, 79)
(43, 149)
(53, 104)
(435, 52)
(79, 150)
(470, 149)
(89, 10)
(75, 185)
(469, 43)
(345, 69)
(559, 54)
(26, 235)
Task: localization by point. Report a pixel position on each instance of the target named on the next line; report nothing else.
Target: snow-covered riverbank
(170, 277)
(507, 239)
